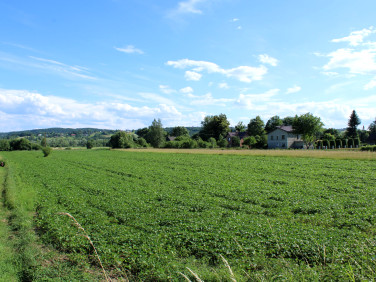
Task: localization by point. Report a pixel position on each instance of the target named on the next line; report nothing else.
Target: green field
(152, 215)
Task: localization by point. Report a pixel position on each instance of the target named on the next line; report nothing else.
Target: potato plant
(151, 215)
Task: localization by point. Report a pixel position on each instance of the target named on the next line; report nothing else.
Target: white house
(283, 138)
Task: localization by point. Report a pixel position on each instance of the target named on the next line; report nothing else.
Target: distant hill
(51, 132)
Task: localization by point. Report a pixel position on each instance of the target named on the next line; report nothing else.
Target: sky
(119, 64)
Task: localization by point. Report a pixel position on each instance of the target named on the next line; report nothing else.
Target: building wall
(283, 140)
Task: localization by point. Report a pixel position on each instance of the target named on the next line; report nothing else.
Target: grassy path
(8, 269)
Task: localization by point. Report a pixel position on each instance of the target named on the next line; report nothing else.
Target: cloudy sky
(121, 63)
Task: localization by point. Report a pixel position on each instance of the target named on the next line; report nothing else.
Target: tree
(4, 145)
(250, 141)
(179, 131)
(288, 120)
(240, 127)
(372, 127)
(142, 132)
(307, 126)
(353, 123)
(332, 131)
(156, 135)
(121, 140)
(214, 126)
(43, 143)
(89, 144)
(272, 123)
(256, 127)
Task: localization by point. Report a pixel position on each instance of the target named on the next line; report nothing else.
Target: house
(231, 135)
(283, 137)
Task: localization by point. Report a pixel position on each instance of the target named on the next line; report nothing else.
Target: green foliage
(222, 142)
(250, 141)
(353, 123)
(152, 221)
(43, 142)
(4, 145)
(272, 123)
(121, 139)
(240, 127)
(214, 126)
(179, 131)
(307, 125)
(46, 151)
(212, 142)
(89, 144)
(288, 120)
(370, 148)
(156, 135)
(235, 141)
(256, 127)
(372, 127)
(142, 142)
(332, 131)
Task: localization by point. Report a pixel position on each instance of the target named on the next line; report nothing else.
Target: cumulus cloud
(191, 75)
(21, 107)
(186, 90)
(266, 59)
(130, 49)
(293, 89)
(358, 59)
(241, 73)
(356, 37)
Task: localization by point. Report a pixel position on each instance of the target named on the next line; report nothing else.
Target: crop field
(152, 215)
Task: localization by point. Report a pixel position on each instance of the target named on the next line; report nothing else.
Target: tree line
(211, 134)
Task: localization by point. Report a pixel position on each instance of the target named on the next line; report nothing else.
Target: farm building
(241, 136)
(283, 138)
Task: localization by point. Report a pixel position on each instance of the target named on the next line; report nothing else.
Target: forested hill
(56, 132)
(53, 132)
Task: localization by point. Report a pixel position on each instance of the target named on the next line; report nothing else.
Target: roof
(287, 128)
(241, 135)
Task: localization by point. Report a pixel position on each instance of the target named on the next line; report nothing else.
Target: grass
(8, 268)
(342, 154)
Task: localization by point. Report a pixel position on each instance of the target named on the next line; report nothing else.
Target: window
(271, 137)
(283, 137)
(277, 137)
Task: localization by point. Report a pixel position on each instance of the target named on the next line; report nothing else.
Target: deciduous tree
(214, 126)
(307, 126)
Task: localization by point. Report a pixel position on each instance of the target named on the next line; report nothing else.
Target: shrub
(46, 151)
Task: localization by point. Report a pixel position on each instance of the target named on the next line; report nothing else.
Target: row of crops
(152, 215)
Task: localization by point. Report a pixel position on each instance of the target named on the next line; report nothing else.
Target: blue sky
(119, 64)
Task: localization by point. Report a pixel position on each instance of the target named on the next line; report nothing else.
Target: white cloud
(20, 107)
(188, 7)
(293, 89)
(61, 68)
(166, 89)
(357, 62)
(191, 75)
(223, 85)
(360, 59)
(266, 59)
(209, 100)
(130, 49)
(241, 73)
(356, 37)
(235, 20)
(249, 101)
(156, 98)
(371, 84)
(186, 90)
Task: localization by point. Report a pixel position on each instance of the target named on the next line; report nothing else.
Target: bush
(46, 151)
(370, 148)
(4, 145)
(89, 144)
